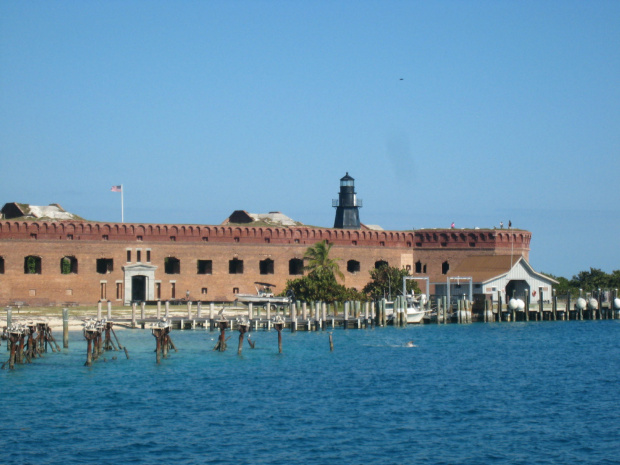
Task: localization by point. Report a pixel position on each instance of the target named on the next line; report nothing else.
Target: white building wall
(520, 272)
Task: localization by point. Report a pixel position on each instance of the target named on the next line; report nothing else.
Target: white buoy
(520, 305)
(617, 303)
(513, 304)
(581, 303)
(593, 304)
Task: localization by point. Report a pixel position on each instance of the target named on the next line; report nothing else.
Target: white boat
(415, 313)
(264, 296)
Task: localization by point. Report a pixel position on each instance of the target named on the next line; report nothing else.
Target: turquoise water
(510, 393)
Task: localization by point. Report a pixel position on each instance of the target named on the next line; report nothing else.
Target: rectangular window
(103, 291)
(173, 290)
(205, 267)
(173, 238)
(33, 236)
(172, 265)
(129, 256)
(139, 238)
(158, 291)
(105, 265)
(148, 256)
(235, 266)
(139, 256)
(105, 237)
(70, 237)
(205, 239)
(119, 291)
(203, 291)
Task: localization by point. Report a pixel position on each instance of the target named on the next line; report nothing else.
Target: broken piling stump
(278, 324)
(221, 342)
(161, 332)
(242, 324)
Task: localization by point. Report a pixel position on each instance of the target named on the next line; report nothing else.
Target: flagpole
(122, 205)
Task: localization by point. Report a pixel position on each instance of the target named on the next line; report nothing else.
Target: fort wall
(203, 256)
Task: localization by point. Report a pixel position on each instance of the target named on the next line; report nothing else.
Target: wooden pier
(320, 316)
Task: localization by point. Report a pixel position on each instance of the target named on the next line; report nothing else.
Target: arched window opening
(296, 266)
(266, 266)
(32, 265)
(68, 265)
(381, 263)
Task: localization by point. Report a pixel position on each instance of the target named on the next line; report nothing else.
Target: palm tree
(319, 261)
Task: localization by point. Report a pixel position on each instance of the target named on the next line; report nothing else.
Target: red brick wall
(89, 241)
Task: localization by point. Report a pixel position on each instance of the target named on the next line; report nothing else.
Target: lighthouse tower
(347, 205)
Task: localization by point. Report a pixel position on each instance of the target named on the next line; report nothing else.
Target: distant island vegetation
(587, 281)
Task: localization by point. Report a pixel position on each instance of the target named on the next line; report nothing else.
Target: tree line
(321, 282)
(588, 281)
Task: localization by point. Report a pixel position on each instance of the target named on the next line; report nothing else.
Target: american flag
(117, 189)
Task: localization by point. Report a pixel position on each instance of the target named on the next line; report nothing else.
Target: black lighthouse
(347, 205)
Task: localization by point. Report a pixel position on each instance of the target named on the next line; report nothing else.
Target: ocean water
(508, 393)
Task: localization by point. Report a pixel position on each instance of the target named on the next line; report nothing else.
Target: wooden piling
(9, 322)
(133, 314)
(499, 306)
(14, 338)
(278, 327)
(221, 343)
(65, 328)
(89, 335)
(293, 316)
(242, 330)
(331, 342)
(158, 344)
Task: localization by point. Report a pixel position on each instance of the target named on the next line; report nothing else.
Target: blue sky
(474, 112)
